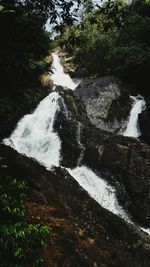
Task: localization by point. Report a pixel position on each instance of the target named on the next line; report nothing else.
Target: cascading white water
(34, 135)
(133, 129)
(98, 189)
(59, 77)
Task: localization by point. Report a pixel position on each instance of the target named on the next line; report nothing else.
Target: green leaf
(4, 166)
(1, 8)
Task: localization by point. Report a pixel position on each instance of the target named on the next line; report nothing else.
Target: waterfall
(133, 129)
(101, 191)
(98, 189)
(59, 77)
(35, 137)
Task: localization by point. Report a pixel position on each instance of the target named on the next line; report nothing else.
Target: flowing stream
(98, 189)
(59, 77)
(35, 137)
(133, 129)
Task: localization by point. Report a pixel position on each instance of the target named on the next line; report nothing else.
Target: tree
(114, 40)
(58, 9)
(24, 42)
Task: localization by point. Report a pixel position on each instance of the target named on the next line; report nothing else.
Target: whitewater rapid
(133, 129)
(59, 77)
(98, 189)
(35, 137)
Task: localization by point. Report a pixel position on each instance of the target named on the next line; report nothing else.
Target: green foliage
(21, 243)
(12, 202)
(5, 9)
(24, 41)
(114, 40)
(24, 44)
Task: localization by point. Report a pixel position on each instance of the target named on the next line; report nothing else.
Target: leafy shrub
(21, 243)
(114, 40)
(12, 201)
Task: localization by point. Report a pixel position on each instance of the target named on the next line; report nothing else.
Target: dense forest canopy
(113, 39)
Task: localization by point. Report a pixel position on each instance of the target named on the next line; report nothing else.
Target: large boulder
(106, 106)
(69, 125)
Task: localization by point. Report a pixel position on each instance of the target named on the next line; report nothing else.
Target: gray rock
(107, 108)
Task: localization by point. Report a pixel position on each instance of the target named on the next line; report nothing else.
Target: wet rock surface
(69, 125)
(126, 162)
(144, 123)
(83, 233)
(107, 108)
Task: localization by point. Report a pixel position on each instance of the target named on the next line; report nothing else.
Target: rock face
(126, 162)
(83, 233)
(106, 107)
(144, 123)
(69, 124)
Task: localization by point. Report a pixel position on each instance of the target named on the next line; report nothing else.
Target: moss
(74, 104)
(71, 101)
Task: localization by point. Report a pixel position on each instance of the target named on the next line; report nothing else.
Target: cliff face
(83, 233)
